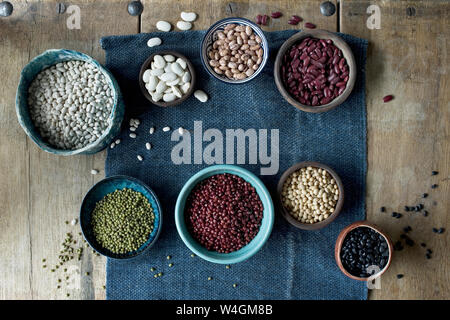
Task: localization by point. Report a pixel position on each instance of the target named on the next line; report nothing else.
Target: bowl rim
(340, 240)
(146, 65)
(245, 21)
(338, 42)
(39, 141)
(205, 173)
(143, 185)
(285, 212)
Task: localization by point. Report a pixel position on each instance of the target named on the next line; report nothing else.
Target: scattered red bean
(310, 25)
(388, 98)
(294, 20)
(223, 213)
(276, 15)
(259, 19)
(264, 20)
(314, 71)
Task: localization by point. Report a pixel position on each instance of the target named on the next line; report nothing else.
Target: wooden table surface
(407, 137)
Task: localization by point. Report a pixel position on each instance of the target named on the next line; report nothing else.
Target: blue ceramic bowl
(101, 189)
(246, 251)
(208, 40)
(45, 60)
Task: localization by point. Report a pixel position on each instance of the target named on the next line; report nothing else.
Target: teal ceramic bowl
(246, 251)
(45, 60)
(101, 189)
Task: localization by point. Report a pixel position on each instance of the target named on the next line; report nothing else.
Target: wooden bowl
(338, 42)
(146, 65)
(286, 213)
(340, 241)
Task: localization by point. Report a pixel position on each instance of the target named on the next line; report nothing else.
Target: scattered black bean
(425, 195)
(410, 242)
(429, 251)
(423, 244)
(399, 276)
(407, 208)
(434, 186)
(425, 213)
(383, 209)
(398, 246)
(399, 215)
(428, 256)
(433, 173)
(441, 230)
(435, 230)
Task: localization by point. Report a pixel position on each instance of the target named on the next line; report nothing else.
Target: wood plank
(44, 190)
(218, 9)
(409, 136)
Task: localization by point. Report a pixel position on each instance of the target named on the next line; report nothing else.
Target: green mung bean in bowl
(120, 217)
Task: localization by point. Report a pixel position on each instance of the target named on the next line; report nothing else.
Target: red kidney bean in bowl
(315, 70)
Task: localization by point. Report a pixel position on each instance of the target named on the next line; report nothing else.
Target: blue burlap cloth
(293, 264)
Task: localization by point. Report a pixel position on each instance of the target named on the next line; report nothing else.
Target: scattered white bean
(117, 141)
(94, 171)
(74, 222)
(112, 145)
(148, 146)
(183, 25)
(140, 157)
(133, 135)
(163, 26)
(201, 95)
(152, 130)
(165, 129)
(154, 42)
(188, 16)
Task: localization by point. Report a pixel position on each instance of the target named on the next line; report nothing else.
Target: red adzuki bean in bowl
(223, 213)
(314, 71)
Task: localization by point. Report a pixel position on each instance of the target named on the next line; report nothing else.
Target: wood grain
(211, 11)
(409, 136)
(40, 191)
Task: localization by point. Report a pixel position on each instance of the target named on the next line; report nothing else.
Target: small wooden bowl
(146, 65)
(286, 213)
(340, 241)
(338, 42)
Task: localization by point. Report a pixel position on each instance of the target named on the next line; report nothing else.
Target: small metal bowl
(338, 42)
(101, 189)
(46, 60)
(286, 213)
(146, 65)
(340, 241)
(208, 40)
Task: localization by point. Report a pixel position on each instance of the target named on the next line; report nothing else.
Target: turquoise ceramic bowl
(45, 60)
(101, 189)
(257, 242)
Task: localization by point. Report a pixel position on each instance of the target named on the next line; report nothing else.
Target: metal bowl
(208, 40)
